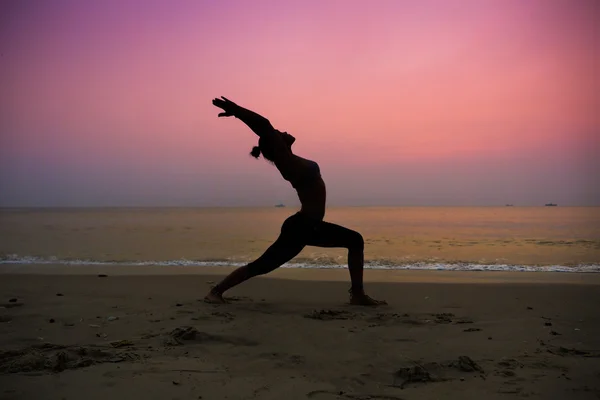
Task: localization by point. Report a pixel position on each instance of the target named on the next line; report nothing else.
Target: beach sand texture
(109, 332)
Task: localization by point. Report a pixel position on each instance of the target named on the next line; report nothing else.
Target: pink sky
(401, 102)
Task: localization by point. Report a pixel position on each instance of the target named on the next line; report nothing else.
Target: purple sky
(108, 103)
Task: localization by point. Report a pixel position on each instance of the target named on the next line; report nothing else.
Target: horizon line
(289, 207)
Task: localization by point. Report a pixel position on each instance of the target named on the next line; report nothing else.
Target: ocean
(563, 239)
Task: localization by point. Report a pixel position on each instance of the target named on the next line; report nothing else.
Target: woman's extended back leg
(280, 252)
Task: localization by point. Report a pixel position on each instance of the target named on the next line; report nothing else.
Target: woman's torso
(305, 177)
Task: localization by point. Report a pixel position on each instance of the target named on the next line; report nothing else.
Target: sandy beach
(102, 332)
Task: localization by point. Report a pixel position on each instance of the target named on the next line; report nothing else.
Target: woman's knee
(356, 242)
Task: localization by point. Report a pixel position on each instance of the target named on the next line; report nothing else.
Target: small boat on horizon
(279, 205)
(508, 205)
(550, 205)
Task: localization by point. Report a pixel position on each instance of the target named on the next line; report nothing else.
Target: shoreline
(306, 274)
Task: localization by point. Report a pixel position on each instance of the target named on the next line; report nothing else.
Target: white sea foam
(434, 266)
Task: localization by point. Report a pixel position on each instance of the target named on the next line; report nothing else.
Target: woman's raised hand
(226, 105)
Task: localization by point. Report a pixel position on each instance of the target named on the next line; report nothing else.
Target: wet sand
(104, 332)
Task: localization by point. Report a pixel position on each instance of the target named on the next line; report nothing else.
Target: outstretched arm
(259, 124)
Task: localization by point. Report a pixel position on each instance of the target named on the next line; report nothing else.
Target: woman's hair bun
(255, 152)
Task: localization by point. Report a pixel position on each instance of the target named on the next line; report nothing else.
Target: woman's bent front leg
(332, 235)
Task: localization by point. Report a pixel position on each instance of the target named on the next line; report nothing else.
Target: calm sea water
(514, 238)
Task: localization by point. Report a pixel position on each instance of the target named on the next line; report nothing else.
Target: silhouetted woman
(305, 228)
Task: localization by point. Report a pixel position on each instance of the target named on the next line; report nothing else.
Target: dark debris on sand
(443, 318)
(12, 304)
(414, 374)
(341, 394)
(566, 351)
(466, 364)
(56, 358)
(510, 363)
(380, 318)
(179, 336)
(327, 315)
(436, 372)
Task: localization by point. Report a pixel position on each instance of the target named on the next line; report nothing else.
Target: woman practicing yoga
(305, 228)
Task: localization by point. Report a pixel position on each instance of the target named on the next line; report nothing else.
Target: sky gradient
(108, 103)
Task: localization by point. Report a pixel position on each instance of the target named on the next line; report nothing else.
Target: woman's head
(265, 147)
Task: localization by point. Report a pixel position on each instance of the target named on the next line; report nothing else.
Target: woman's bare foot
(364, 300)
(214, 298)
